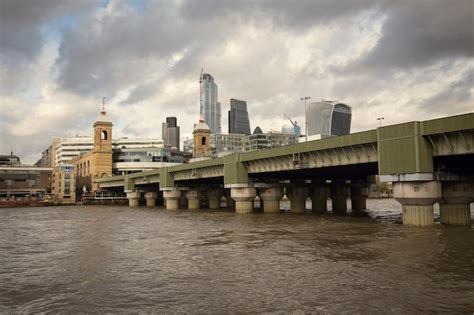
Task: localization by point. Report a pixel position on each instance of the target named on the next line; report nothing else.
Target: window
(203, 141)
(103, 135)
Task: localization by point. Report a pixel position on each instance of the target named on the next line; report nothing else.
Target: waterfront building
(202, 141)
(64, 183)
(24, 181)
(238, 117)
(210, 108)
(170, 133)
(96, 163)
(328, 118)
(223, 144)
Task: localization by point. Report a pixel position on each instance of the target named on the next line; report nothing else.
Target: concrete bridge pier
(214, 196)
(297, 196)
(243, 197)
(172, 199)
(319, 194)
(271, 197)
(193, 197)
(417, 199)
(150, 199)
(229, 201)
(183, 201)
(339, 194)
(454, 208)
(359, 193)
(133, 198)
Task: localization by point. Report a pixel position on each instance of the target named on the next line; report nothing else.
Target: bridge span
(427, 162)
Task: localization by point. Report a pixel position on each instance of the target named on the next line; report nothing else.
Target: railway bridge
(427, 162)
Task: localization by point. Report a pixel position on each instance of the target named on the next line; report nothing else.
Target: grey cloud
(21, 21)
(416, 35)
(455, 98)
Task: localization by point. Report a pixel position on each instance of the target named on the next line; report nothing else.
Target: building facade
(127, 161)
(24, 181)
(64, 183)
(170, 133)
(210, 108)
(223, 144)
(9, 160)
(238, 117)
(96, 163)
(328, 118)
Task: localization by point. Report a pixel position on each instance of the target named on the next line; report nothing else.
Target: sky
(403, 60)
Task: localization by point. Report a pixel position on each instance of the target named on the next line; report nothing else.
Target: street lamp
(305, 98)
(380, 120)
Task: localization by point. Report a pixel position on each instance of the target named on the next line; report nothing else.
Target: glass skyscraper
(328, 118)
(210, 108)
(238, 117)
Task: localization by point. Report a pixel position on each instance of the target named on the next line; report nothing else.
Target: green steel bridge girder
(401, 149)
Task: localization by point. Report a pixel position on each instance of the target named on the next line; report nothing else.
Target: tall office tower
(210, 108)
(170, 133)
(328, 118)
(238, 117)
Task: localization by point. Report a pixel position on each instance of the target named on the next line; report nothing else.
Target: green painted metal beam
(235, 172)
(402, 149)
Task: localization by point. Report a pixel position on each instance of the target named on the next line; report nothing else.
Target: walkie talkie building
(328, 118)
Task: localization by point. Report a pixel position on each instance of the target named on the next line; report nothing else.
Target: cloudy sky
(403, 60)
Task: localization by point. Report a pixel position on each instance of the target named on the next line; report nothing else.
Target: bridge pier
(243, 197)
(133, 198)
(214, 196)
(454, 209)
(339, 194)
(150, 199)
(359, 193)
(229, 201)
(193, 197)
(417, 199)
(319, 194)
(297, 196)
(172, 199)
(183, 201)
(271, 198)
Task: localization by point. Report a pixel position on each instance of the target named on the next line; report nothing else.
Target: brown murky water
(117, 259)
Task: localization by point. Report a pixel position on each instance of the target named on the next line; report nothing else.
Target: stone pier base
(271, 198)
(150, 199)
(339, 194)
(133, 198)
(172, 199)
(297, 196)
(214, 198)
(455, 214)
(244, 198)
(193, 197)
(418, 215)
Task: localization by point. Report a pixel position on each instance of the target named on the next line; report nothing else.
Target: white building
(68, 148)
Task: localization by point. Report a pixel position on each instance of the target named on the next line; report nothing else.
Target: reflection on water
(117, 259)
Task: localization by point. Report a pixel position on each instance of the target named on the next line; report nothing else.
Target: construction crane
(294, 123)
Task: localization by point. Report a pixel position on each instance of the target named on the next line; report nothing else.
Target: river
(119, 259)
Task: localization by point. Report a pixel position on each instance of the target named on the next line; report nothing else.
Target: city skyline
(395, 60)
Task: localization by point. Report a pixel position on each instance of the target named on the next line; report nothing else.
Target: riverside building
(170, 133)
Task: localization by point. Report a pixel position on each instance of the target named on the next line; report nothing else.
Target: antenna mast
(103, 104)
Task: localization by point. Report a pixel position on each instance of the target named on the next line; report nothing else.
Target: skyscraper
(210, 108)
(170, 133)
(328, 118)
(238, 117)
